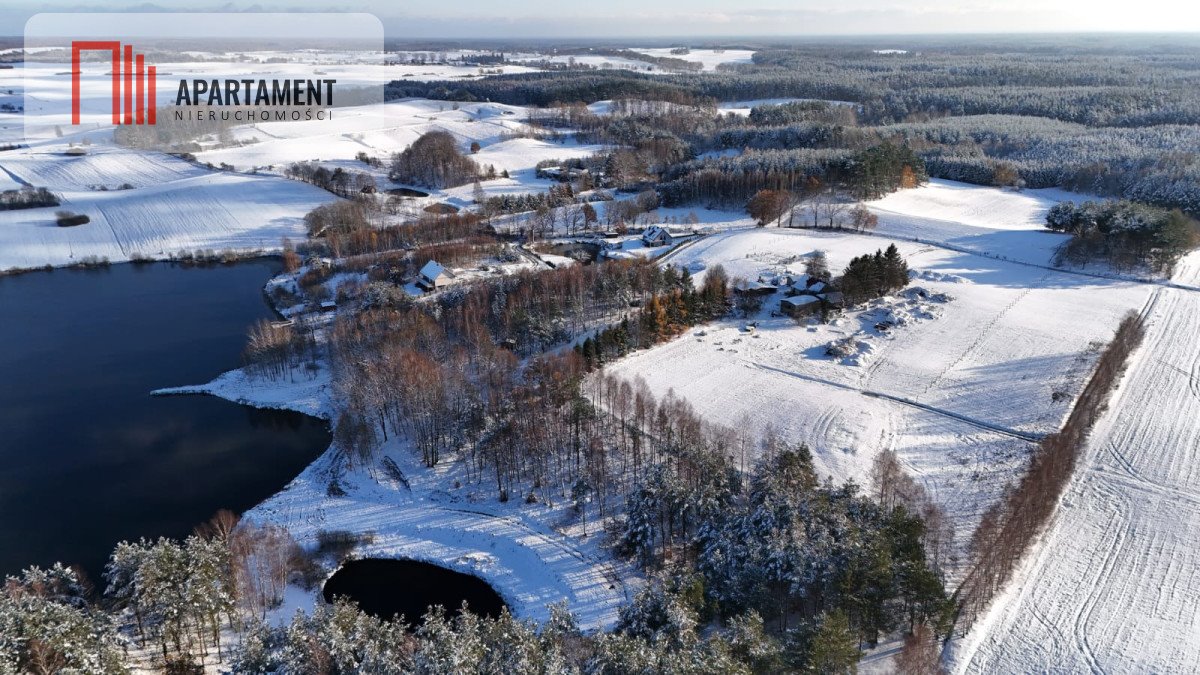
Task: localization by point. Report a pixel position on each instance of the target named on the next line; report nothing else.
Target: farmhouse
(800, 305)
(433, 276)
(804, 284)
(656, 235)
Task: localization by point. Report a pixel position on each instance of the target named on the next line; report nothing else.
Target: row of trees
(27, 198)
(865, 174)
(339, 181)
(1013, 523)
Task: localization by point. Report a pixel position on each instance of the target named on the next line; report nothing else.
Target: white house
(433, 276)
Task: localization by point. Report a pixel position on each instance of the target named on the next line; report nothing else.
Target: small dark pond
(87, 456)
(407, 192)
(388, 588)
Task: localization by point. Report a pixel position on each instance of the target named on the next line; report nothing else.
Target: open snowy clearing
(709, 58)
(958, 388)
(518, 549)
(993, 221)
(378, 130)
(381, 131)
(171, 207)
(1113, 585)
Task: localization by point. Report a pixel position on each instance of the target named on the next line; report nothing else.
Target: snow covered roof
(654, 232)
(432, 270)
(754, 286)
(817, 287)
(800, 300)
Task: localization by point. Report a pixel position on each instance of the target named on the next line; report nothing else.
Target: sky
(688, 18)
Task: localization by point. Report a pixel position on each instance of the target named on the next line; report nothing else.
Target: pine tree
(895, 269)
(833, 649)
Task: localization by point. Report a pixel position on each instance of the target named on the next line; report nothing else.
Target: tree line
(663, 317)
(867, 174)
(1125, 234)
(1009, 528)
(27, 197)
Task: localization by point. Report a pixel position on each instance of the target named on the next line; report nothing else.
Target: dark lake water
(388, 588)
(87, 456)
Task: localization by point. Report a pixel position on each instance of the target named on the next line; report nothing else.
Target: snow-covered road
(1114, 587)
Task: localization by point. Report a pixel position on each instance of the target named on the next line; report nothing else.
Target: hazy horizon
(701, 19)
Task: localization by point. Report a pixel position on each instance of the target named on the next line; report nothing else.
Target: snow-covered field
(709, 58)
(176, 205)
(378, 130)
(1114, 584)
(957, 392)
(172, 206)
(1001, 223)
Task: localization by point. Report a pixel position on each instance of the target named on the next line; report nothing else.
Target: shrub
(70, 218)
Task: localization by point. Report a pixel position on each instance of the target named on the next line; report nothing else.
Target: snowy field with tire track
(1114, 584)
(170, 206)
(959, 392)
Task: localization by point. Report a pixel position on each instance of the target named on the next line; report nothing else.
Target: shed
(800, 305)
(834, 299)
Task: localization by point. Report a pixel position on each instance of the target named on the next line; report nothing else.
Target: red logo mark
(145, 81)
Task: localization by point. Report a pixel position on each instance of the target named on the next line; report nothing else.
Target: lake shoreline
(89, 347)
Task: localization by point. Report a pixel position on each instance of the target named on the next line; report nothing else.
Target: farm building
(800, 305)
(753, 288)
(834, 299)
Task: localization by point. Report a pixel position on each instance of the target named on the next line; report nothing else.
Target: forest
(1094, 119)
(1122, 233)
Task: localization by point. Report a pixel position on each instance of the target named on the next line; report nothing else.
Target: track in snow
(986, 426)
(1119, 567)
